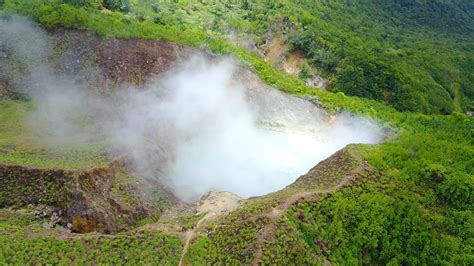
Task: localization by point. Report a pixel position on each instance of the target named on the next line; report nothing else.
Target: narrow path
(214, 205)
(278, 212)
(189, 236)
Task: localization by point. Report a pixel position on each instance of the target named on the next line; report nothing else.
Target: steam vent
(236, 132)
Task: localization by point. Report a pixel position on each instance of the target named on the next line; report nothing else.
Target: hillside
(84, 197)
(414, 55)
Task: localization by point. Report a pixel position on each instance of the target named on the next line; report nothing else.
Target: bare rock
(318, 82)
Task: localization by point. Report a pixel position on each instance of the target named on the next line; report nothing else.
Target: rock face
(292, 63)
(277, 110)
(217, 203)
(109, 62)
(318, 82)
(83, 201)
(96, 199)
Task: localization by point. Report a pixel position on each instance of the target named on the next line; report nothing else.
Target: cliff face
(100, 199)
(109, 62)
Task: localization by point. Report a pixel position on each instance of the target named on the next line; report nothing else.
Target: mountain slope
(414, 55)
(410, 203)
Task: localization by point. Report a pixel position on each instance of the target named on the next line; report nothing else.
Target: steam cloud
(196, 127)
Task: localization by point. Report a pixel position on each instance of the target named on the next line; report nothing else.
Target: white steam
(60, 101)
(199, 127)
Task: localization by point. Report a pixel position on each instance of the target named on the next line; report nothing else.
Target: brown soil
(133, 61)
(276, 52)
(86, 198)
(293, 63)
(109, 62)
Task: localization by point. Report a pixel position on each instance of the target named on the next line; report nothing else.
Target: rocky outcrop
(84, 201)
(318, 82)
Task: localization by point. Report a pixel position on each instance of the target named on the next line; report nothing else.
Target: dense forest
(414, 55)
(407, 64)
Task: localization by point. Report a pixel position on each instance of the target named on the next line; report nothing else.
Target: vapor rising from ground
(194, 127)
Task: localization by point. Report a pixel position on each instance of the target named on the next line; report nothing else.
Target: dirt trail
(189, 236)
(213, 205)
(278, 212)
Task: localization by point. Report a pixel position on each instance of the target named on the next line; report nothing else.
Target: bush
(120, 5)
(433, 173)
(305, 42)
(325, 59)
(458, 190)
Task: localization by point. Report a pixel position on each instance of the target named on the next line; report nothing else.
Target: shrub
(120, 5)
(433, 173)
(325, 59)
(458, 190)
(305, 42)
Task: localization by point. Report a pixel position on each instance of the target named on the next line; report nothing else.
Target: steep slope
(407, 201)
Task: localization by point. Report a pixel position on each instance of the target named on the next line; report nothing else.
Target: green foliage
(120, 5)
(325, 59)
(416, 207)
(190, 221)
(422, 49)
(373, 228)
(433, 173)
(364, 79)
(305, 42)
(21, 147)
(143, 247)
(458, 191)
(84, 3)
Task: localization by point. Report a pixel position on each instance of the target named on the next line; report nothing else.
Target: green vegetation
(399, 53)
(414, 55)
(383, 218)
(230, 241)
(416, 208)
(367, 226)
(416, 205)
(24, 242)
(21, 147)
(190, 222)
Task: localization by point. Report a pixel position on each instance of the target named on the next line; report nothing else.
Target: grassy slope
(23, 147)
(427, 167)
(24, 241)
